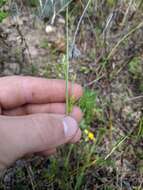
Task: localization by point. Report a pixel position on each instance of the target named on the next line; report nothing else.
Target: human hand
(32, 117)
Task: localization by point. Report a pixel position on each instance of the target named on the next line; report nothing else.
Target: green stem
(67, 63)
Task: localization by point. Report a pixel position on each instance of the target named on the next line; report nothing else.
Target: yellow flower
(90, 135)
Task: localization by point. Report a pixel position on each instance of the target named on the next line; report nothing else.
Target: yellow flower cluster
(89, 135)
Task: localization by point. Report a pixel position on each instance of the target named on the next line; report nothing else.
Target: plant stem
(122, 39)
(78, 25)
(67, 63)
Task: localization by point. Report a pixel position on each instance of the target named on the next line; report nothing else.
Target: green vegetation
(140, 131)
(88, 105)
(34, 3)
(3, 14)
(2, 2)
(44, 44)
(135, 67)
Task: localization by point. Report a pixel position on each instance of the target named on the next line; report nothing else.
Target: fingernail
(70, 126)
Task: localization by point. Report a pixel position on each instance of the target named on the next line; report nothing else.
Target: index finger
(18, 90)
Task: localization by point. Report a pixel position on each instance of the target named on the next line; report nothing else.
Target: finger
(75, 139)
(18, 90)
(57, 108)
(35, 133)
(48, 152)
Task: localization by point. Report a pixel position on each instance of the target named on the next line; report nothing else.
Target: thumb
(34, 133)
(48, 131)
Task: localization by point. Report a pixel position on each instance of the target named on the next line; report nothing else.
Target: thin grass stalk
(67, 62)
(65, 6)
(126, 13)
(82, 171)
(68, 156)
(78, 25)
(115, 147)
(41, 4)
(122, 40)
(93, 162)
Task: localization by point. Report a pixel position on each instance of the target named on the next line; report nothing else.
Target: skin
(32, 117)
